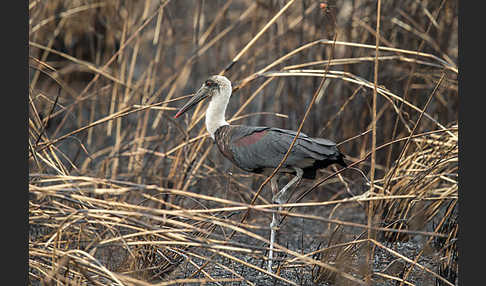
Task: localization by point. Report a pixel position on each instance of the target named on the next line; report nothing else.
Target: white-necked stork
(261, 149)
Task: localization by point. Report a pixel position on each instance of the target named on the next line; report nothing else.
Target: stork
(259, 149)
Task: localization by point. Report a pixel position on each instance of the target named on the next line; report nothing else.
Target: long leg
(280, 197)
(273, 224)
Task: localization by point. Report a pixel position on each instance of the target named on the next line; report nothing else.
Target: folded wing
(256, 148)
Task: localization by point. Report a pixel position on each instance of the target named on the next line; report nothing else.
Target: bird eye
(210, 83)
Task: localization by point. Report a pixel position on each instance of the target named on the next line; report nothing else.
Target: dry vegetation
(120, 193)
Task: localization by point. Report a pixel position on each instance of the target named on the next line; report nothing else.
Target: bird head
(214, 86)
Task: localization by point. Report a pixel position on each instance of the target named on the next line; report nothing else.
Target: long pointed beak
(201, 94)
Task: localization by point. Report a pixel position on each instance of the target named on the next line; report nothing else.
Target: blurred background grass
(107, 76)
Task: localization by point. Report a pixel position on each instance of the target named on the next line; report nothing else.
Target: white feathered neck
(217, 106)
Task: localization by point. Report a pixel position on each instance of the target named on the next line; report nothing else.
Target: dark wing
(256, 148)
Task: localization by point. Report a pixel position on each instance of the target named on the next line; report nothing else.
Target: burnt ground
(306, 235)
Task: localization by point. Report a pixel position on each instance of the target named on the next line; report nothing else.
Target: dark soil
(306, 235)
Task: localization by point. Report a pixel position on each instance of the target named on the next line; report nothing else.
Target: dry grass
(122, 194)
